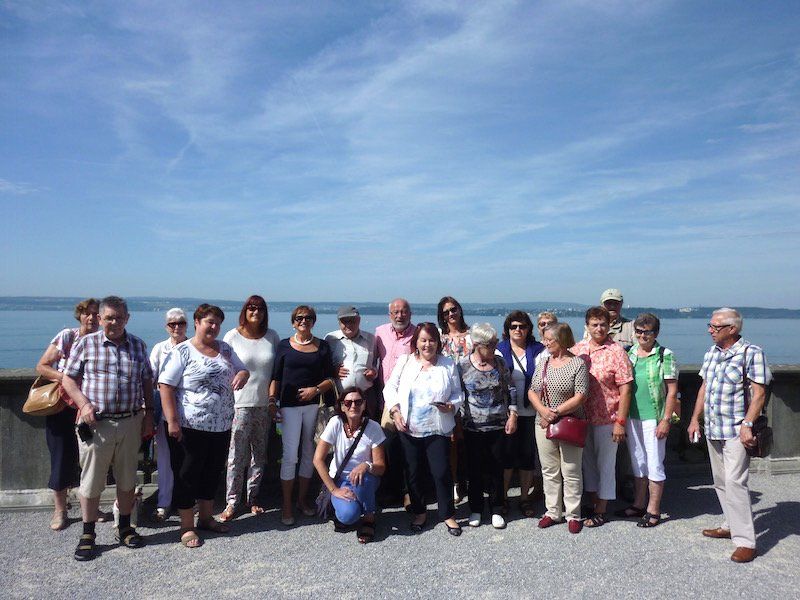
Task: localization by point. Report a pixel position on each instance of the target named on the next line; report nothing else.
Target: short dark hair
(309, 309)
(431, 330)
(255, 299)
(522, 316)
(598, 312)
(114, 302)
(440, 314)
(82, 307)
(648, 319)
(202, 311)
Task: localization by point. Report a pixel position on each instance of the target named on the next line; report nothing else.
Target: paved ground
(261, 558)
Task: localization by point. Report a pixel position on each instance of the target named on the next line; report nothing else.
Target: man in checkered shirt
(729, 423)
(109, 378)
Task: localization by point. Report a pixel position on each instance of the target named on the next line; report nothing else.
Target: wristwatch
(748, 424)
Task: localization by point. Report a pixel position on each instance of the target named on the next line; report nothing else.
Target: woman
(301, 375)
(490, 415)
(521, 353)
(197, 384)
(610, 377)
(543, 320)
(559, 388)
(353, 493)
(176, 328)
(255, 344)
(424, 393)
(655, 397)
(456, 343)
(59, 429)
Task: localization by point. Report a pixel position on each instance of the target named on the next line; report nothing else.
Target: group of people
(386, 409)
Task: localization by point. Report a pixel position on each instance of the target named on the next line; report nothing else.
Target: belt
(116, 415)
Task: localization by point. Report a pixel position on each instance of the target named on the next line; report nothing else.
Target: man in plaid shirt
(108, 377)
(729, 424)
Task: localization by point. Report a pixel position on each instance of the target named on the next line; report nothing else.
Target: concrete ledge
(42, 499)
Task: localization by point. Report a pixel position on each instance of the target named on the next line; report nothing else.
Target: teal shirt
(649, 389)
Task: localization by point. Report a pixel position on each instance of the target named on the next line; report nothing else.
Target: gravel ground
(262, 558)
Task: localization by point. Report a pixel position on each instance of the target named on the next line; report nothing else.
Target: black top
(294, 370)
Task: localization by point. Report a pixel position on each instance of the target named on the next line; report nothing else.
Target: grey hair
(114, 302)
(482, 333)
(731, 315)
(174, 313)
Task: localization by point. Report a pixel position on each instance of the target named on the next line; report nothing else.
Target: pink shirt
(609, 368)
(391, 345)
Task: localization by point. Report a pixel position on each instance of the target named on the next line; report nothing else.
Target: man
(729, 411)
(353, 351)
(620, 329)
(115, 411)
(392, 340)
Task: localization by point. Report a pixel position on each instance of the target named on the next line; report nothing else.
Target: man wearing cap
(353, 351)
(115, 408)
(620, 329)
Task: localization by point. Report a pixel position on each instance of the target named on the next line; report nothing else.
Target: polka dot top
(562, 383)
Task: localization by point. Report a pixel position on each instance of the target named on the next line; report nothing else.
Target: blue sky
(499, 151)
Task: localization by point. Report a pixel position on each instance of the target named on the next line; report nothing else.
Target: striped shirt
(723, 374)
(113, 375)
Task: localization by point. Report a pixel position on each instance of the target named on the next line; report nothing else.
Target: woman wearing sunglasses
(423, 393)
(521, 353)
(301, 377)
(655, 396)
(353, 492)
(255, 344)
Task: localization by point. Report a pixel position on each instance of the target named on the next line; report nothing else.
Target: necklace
(306, 343)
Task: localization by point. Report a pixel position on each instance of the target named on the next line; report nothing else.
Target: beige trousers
(561, 475)
(730, 466)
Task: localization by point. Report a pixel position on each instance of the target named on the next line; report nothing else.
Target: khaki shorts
(115, 442)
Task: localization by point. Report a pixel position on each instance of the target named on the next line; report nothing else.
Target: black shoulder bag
(324, 497)
(762, 432)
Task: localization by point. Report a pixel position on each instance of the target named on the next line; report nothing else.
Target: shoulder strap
(351, 449)
(518, 361)
(544, 382)
(745, 381)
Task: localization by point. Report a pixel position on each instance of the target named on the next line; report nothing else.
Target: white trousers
(600, 462)
(299, 424)
(730, 466)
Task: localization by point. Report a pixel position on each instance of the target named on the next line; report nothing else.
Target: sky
(358, 151)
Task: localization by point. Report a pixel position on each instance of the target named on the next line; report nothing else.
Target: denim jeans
(350, 511)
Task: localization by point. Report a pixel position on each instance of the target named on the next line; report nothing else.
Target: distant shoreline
(562, 309)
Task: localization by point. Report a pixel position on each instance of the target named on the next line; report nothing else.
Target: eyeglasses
(301, 318)
(348, 403)
(176, 324)
(644, 332)
(402, 311)
(348, 320)
(255, 307)
(718, 328)
(453, 310)
(517, 326)
(544, 324)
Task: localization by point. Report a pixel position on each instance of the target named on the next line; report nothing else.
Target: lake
(25, 334)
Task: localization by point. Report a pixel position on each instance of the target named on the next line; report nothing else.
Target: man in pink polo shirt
(392, 340)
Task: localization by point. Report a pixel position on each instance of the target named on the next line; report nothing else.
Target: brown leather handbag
(44, 398)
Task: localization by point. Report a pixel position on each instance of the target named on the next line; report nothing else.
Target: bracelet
(369, 466)
(319, 391)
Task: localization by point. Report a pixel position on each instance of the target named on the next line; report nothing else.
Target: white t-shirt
(334, 434)
(203, 385)
(258, 356)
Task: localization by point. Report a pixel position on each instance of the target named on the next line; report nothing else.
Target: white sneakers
(475, 520)
(498, 522)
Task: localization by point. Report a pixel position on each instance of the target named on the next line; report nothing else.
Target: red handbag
(568, 429)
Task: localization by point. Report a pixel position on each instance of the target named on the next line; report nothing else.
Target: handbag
(762, 432)
(325, 412)
(568, 428)
(44, 398)
(324, 497)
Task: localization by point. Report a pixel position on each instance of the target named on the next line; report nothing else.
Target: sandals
(649, 520)
(129, 538)
(526, 508)
(596, 520)
(86, 549)
(160, 515)
(256, 509)
(59, 521)
(228, 514)
(630, 512)
(211, 524)
(190, 539)
(366, 532)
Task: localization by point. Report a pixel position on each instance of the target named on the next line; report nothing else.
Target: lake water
(25, 334)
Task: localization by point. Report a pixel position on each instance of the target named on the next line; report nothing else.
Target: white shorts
(647, 451)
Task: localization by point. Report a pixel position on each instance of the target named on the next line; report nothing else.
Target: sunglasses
(255, 307)
(544, 324)
(348, 403)
(645, 332)
(514, 326)
(451, 311)
(176, 324)
(301, 318)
